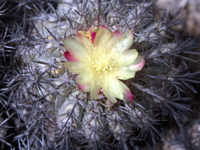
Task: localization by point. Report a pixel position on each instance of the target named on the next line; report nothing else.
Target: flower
(100, 58)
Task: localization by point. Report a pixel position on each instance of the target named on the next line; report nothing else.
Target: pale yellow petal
(127, 72)
(126, 58)
(109, 96)
(112, 88)
(127, 95)
(76, 49)
(95, 89)
(85, 41)
(84, 78)
(123, 73)
(102, 38)
(74, 67)
(115, 88)
(106, 89)
(124, 43)
(79, 36)
(113, 38)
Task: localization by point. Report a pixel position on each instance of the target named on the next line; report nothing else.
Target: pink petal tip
(128, 95)
(117, 34)
(80, 86)
(70, 57)
(93, 35)
(141, 64)
(104, 27)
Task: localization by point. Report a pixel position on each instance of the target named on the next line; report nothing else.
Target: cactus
(43, 101)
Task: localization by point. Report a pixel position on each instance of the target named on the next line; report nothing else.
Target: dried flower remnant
(100, 58)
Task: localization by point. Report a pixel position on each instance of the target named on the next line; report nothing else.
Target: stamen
(100, 64)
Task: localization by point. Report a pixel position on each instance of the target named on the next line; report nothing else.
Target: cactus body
(53, 113)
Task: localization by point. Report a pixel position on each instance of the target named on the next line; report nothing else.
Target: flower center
(102, 64)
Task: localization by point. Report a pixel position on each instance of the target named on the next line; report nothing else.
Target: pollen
(100, 64)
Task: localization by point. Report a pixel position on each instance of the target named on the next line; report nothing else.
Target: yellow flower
(100, 58)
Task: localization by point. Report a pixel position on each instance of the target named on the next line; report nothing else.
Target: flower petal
(84, 78)
(126, 58)
(85, 41)
(79, 36)
(74, 67)
(127, 95)
(114, 37)
(70, 57)
(125, 42)
(106, 90)
(138, 64)
(112, 86)
(102, 38)
(116, 88)
(95, 89)
(123, 73)
(82, 87)
(127, 72)
(92, 35)
(104, 27)
(82, 33)
(110, 97)
(76, 49)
